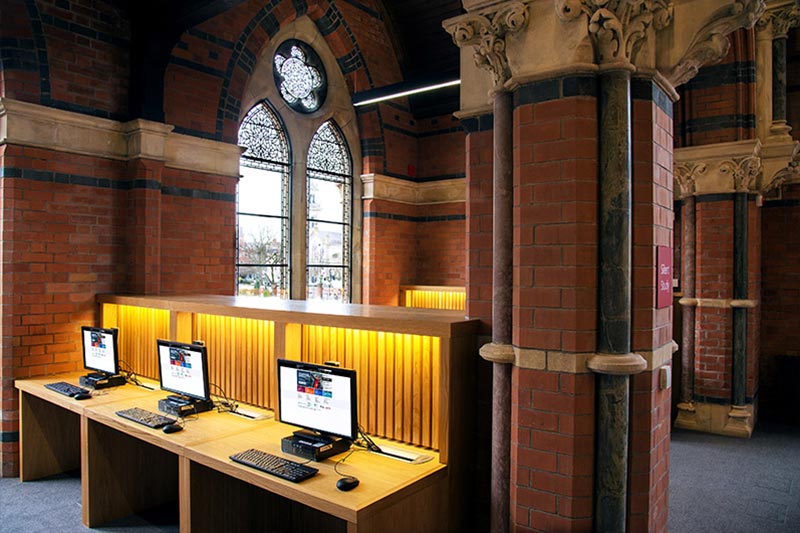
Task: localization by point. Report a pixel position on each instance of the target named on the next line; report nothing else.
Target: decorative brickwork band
(486, 31)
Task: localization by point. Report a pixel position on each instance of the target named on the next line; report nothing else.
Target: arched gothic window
(263, 215)
(328, 227)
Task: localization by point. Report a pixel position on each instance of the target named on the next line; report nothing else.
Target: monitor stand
(177, 405)
(101, 380)
(313, 446)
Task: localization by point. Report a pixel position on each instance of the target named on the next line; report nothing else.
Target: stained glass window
(263, 226)
(300, 76)
(328, 201)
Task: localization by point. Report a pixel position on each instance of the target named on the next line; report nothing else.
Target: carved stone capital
(782, 18)
(718, 168)
(708, 43)
(619, 27)
(486, 31)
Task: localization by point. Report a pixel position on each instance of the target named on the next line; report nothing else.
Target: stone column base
(730, 420)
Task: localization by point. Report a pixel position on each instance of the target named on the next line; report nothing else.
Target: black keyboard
(272, 464)
(67, 389)
(147, 418)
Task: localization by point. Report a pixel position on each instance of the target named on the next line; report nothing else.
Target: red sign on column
(663, 277)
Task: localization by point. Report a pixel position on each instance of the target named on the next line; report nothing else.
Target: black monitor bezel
(187, 346)
(326, 369)
(114, 332)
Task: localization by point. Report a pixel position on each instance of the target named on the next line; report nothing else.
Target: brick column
(146, 148)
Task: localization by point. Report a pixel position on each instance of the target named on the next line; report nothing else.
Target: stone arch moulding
(300, 128)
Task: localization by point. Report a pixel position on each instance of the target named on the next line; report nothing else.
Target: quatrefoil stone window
(300, 76)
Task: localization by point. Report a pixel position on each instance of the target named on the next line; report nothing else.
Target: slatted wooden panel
(139, 327)
(397, 378)
(436, 299)
(240, 356)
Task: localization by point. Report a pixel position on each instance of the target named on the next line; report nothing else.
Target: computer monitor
(183, 369)
(100, 350)
(319, 398)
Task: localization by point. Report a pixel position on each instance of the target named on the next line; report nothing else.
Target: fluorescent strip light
(409, 92)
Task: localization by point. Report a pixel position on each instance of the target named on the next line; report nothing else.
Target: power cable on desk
(131, 376)
(226, 404)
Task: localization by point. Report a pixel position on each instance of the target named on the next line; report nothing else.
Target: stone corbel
(718, 168)
(781, 166)
(486, 31)
(681, 54)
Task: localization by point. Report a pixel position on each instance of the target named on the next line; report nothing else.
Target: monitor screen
(100, 349)
(183, 368)
(318, 397)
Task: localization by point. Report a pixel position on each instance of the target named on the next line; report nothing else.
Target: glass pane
(261, 192)
(261, 241)
(326, 244)
(262, 136)
(328, 283)
(265, 281)
(328, 151)
(326, 200)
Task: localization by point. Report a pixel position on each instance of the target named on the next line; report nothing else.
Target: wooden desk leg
(185, 491)
(49, 438)
(121, 475)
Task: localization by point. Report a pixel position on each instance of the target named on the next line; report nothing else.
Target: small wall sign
(663, 277)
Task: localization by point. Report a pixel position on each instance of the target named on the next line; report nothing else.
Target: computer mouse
(347, 483)
(172, 428)
(82, 396)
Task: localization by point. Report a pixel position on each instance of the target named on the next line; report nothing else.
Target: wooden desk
(127, 468)
(392, 495)
(52, 423)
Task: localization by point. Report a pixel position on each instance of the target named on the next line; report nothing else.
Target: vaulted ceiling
(426, 52)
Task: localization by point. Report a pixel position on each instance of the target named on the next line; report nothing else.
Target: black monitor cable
(225, 404)
(130, 376)
(366, 442)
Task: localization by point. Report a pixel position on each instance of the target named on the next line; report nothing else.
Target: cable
(226, 405)
(342, 460)
(369, 444)
(131, 376)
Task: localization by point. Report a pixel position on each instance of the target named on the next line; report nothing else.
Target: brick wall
(648, 504)
(479, 223)
(552, 451)
(714, 279)
(555, 225)
(718, 105)
(653, 222)
(63, 239)
(70, 55)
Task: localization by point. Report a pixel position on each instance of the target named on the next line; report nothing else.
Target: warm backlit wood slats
(397, 376)
(139, 327)
(408, 384)
(434, 297)
(241, 356)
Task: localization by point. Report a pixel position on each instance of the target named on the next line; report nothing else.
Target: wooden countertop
(434, 322)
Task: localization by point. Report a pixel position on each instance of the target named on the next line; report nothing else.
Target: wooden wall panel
(139, 327)
(241, 359)
(397, 377)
